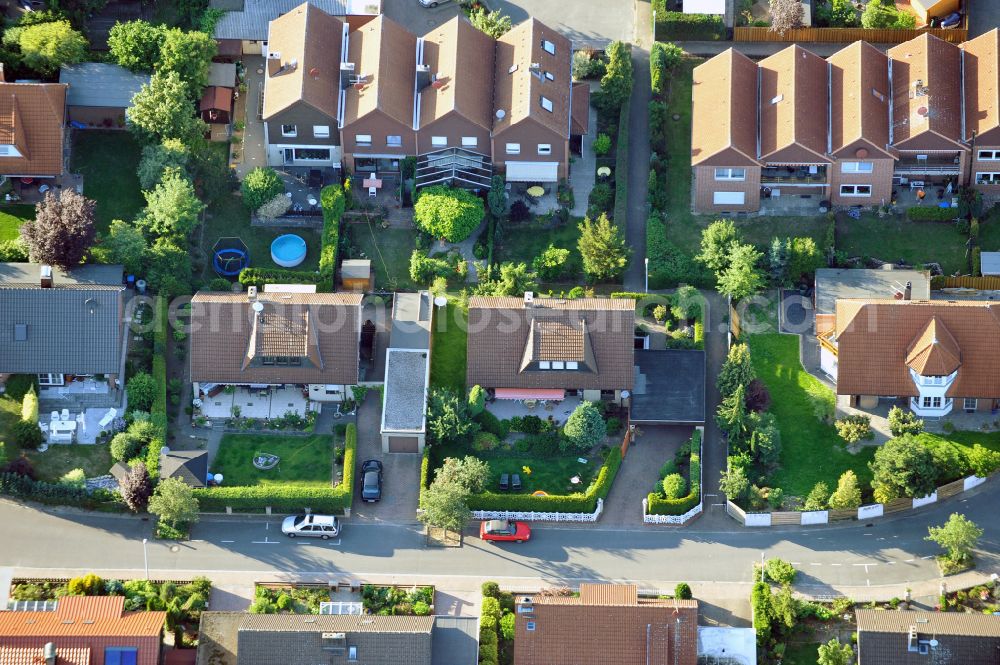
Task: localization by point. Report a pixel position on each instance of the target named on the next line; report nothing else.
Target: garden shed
(357, 275)
(98, 93)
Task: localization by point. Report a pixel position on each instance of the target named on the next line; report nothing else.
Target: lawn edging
(660, 510)
(333, 499)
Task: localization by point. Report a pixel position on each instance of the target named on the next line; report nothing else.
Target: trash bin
(140, 286)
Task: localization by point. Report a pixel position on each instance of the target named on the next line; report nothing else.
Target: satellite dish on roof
(626, 394)
(501, 114)
(164, 450)
(933, 643)
(440, 301)
(258, 307)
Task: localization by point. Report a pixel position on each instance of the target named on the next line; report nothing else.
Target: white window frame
(732, 175)
(544, 364)
(8, 150)
(987, 178)
(857, 167)
(544, 148)
(439, 141)
(558, 364)
(321, 131)
(548, 47)
(989, 156)
(550, 76)
(931, 402)
(363, 140)
(970, 404)
(393, 140)
(513, 149)
(289, 133)
(49, 381)
(352, 654)
(718, 198)
(470, 142)
(855, 191)
(572, 364)
(546, 103)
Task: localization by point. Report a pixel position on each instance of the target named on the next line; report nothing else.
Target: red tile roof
(36, 655)
(32, 120)
(82, 617)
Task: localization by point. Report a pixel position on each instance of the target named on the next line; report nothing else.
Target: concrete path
(639, 473)
(581, 177)
(638, 170)
(400, 474)
(714, 451)
(466, 248)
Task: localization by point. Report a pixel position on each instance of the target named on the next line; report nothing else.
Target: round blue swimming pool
(288, 250)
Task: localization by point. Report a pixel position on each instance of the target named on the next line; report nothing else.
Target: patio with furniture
(505, 409)
(303, 185)
(258, 402)
(380, 188)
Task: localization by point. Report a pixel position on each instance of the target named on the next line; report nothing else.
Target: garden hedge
(260, 276)
(930, 213)
(333, 200)
(678, 26)
(620, 212)
(580, 502)
(285, 498)
(23, 487)
(158, 411)
(657, 505)
(425, 472)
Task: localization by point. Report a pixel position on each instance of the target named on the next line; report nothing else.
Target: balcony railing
(793, 175)
(926, 168)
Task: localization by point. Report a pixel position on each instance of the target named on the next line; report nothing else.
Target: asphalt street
(890, 553)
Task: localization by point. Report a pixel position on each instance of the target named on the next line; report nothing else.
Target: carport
(669, 387)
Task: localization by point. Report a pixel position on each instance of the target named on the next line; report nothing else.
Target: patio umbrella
(535, 191)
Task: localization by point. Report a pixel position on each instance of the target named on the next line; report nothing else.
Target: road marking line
(815, 564)
(909, 560)
(227, 541)
(869, 582)
(836, 564)
(929, 556)
(266, 541)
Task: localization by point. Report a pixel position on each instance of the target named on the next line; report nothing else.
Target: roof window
(548, 47)
(546, 104)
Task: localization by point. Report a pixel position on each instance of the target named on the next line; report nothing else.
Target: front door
(289, 156)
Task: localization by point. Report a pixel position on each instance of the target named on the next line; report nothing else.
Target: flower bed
(394, 600)
(688, 456)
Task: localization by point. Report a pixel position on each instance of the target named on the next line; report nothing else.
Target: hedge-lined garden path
(639, 473)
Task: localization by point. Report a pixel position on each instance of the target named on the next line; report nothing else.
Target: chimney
(346, 74)
(252, 293)
(529, 298)
(908, 291)
(49, 653)
(45, 276)
(273, 63)
(424, 77)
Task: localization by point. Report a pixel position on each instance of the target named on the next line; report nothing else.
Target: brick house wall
(148, 647)
(987, 166)
(706, 185)
(880, 180)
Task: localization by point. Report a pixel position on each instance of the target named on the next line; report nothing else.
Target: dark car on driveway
(371, 481)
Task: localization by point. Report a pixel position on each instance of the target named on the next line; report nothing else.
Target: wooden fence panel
(628, 434)
(785, 518)
(951, 489)
(734, 321)
(990, 283)
(843, 514)
(846, 35)
(897, 506)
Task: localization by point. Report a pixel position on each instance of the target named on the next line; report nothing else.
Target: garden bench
(505, 481)
(515, 483)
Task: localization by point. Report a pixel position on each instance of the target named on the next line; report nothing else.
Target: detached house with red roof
(83, 630)
(857, 128)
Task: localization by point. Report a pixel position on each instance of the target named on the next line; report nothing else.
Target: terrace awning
(532, 171)
(530, 393)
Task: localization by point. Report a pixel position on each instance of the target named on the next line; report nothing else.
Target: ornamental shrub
(779, 571)
(682, 591)
(674, 486)
(449, 213)
(602, 144)
(261, 185)
(585, 427)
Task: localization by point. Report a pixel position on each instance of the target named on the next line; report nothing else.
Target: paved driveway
(400, 476)
(586, 22)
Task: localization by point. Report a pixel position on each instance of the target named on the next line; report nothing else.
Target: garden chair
(505, 481)
(515, 482)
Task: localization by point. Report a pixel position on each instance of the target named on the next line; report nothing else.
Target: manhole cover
(175, 548)
(676, 116)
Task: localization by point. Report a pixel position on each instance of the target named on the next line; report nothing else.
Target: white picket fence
(670, 519)
(539, 517)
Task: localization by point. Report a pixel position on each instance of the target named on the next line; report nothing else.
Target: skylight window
(546, 104)
(549, 47)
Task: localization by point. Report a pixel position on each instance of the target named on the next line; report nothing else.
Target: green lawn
(523, 242)
(895, 238)
(549, 474)
(811, 450)
(59, 459)
(801, 654)
(109, 161)
(989, 233)
(229, 217)
(306, 460)
(448, 348)
(11, 218)
(389, 251)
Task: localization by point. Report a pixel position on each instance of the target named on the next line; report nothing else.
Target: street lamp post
(145, 556)
(647, 274)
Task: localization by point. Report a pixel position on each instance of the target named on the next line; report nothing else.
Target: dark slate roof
(73, 328)
(455, 641)
(411, 321)
(191, 466)
(669, 386)
(251, 22)
(100, 84)
(961, 638)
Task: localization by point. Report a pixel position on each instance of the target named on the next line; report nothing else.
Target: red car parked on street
(504, 530)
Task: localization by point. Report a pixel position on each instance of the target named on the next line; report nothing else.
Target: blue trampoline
(230, 256)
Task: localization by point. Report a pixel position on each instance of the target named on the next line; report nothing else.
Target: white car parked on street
(311, 526)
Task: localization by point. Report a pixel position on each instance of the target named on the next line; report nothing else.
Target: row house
(364, 93)
(849, 129)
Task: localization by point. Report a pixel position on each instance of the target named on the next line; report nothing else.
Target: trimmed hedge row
(678, 26)
(260, 276)
(580, 502)
(425, 473)
(285, 498)
(158, 410)
(931, 213)
(23, 487)
(657, 505)
(333, 200)
(621, 166)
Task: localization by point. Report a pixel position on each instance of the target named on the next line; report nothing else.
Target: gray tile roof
(191, 466)
(940, 623)
(73, 328)
(405, 390)
(100, 84)
(349, 623)
(251, 23)
(222, 74)
(835, 283)
(958, 638)
(990, 263)
(455, 641)
(411, 321)
(669, 386)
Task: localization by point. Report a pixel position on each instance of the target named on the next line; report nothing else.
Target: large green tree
(189, 55)
(445, 505)
(602, 247)
(507, 279)
(835, 653)
(736, 371)
(162, 109)
(126, 245)
(172, 207)
(448, 416)
(616, 84)
(494, 23)
(903, 467)
(847, 496)
(717, 242)
(135, 45)
(168, 268)
(174, 502)
(958, 536)
(62, 231)
(46, 47)
(470, 473)
(742, 278)
(447, 212)
(158, 157)
(585, 427)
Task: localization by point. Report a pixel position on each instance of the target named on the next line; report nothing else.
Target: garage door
(532, 171)
(404, 444)
(728, 198)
